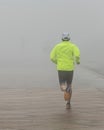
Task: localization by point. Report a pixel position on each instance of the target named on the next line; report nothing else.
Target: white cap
(65, 36)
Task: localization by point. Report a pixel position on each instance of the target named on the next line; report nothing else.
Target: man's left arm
(53, 55)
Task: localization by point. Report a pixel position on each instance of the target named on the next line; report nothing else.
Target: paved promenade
(44, 109)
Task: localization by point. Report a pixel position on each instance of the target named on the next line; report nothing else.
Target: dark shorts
(65, 77)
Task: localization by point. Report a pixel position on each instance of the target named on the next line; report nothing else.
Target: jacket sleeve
(77, 54)
(53, 55)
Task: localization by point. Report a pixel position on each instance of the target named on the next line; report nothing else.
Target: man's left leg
(62, 80)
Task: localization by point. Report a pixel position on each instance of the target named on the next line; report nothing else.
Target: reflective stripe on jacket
(64, 55)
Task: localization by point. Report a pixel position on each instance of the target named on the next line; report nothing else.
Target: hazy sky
(30, 28)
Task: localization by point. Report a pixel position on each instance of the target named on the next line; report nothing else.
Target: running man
(65, 55)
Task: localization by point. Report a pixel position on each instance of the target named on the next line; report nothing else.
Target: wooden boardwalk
(44, 109)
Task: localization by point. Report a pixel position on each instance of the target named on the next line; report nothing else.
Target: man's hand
(78, 63)
(77, 60)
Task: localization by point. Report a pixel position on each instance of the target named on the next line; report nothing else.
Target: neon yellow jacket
(65, 55)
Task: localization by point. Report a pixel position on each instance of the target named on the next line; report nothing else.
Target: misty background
(29, 29)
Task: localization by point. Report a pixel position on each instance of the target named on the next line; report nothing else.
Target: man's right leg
(65, 79)
(69, 88)
(67, 96)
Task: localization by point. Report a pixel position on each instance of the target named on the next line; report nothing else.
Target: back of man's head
(65, 36)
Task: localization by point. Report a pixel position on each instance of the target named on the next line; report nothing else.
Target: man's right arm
(77, 54)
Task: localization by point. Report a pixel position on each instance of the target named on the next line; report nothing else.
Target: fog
(30, 28)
